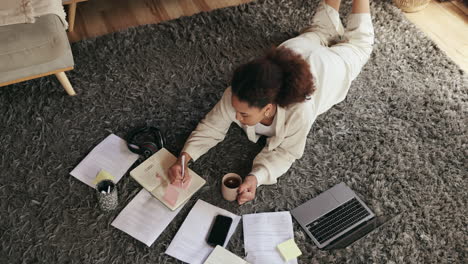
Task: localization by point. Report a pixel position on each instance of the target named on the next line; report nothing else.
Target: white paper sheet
(111, 155)
(262, 233)
(189, 244)
(144, 218)
(224, 256)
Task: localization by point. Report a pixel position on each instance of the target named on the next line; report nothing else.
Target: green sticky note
(289, 250)
(103, 175)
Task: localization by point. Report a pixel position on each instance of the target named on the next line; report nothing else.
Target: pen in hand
(183, 168)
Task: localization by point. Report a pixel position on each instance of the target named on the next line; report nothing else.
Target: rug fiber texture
(399, 140)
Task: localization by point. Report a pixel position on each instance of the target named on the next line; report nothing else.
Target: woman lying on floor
(281, 94)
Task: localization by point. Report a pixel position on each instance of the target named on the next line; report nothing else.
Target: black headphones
(145, 147)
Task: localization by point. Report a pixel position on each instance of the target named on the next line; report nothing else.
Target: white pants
(356, 41)
(335, 66)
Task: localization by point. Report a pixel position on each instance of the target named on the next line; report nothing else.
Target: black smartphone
(219, 230)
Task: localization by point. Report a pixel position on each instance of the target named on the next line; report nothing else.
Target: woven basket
(410, 6)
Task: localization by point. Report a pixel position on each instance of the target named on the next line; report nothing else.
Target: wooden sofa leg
(65, 83)
(71, 16)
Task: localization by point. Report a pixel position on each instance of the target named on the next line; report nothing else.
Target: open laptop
(336, 218)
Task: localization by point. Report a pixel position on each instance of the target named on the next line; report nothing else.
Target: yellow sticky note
(289, 250)
(103, 175)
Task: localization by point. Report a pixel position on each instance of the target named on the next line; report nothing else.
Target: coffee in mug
(229, 186)
(232, 182)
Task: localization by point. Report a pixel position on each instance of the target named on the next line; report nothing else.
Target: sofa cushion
(25, 45)
(63, 62)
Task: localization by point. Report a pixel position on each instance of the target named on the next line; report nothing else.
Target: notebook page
(152, 174)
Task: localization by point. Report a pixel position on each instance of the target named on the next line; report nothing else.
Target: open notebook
(152, 175)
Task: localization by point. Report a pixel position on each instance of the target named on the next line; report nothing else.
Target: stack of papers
(189, 244)
(263, 232)
(111, 155)
(152, 175)
(224, 256)
(144, 218)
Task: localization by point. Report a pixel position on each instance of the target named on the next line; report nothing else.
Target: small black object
(105, 185)
(219, 230)
(145, 141)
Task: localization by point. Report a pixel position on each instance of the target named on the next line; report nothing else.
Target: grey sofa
(34, 50)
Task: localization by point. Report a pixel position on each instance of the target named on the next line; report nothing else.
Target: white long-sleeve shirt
(333, 69)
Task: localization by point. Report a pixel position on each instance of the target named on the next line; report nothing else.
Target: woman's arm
(212, 129)
(271, 164)
(268, 165)
(209, 132)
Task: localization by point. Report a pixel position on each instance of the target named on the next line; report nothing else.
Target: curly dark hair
(280, 76)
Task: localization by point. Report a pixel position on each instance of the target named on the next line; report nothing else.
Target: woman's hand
(247, 189)
(175, 171)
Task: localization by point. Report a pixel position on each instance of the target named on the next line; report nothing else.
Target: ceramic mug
(229, 186)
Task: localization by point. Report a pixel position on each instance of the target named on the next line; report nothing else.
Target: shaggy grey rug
(399, 140)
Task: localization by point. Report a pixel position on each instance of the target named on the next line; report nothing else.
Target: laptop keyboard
(337, 220)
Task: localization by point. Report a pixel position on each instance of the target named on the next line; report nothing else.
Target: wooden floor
(446, 23)
(99, 17)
